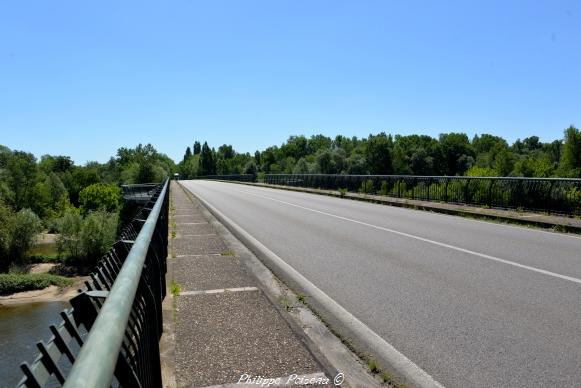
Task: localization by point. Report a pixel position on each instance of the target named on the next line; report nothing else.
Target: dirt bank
(48, 294)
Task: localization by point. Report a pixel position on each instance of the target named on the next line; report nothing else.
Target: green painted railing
(551, 195)
(120, 310)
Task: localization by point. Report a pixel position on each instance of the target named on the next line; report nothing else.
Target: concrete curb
(362, 338)
(473, 212)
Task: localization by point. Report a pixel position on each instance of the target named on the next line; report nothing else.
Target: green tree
(503, 162)
(5, 154)
(295, 147)
(69, 238)
(356, 164)
(100, 196)
(197, 148)
(23, 230)
(486, 142)
(571, 155)
(98, 234)
(250, 168)
(21, 173)
(458, 155)
(415, 154)
(301, 167)
(207, 162)
(319, 142)
(268, 158)
(188, 154)
(189, 168)
(86, 239)
(324, 162)
(378, 154)
(6, 218)
(257, 158)
(481, 171)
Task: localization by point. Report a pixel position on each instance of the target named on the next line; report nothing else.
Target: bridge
(139, 193)
(433, 299)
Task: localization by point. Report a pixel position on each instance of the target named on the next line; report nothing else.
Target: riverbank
(48, 294)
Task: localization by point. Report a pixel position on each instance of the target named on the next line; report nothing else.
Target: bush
(17, 234)
(575, 200)
(86, 240)
(367, 187)
(384, 190)
(5, 221)
(98, 234)
(69, 239)
(24, 228)
(14, 282)
(250, 168)
(100, 196)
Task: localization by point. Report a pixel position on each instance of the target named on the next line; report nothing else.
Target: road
(474, 304)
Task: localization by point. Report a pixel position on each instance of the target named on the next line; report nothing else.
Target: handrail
(95, 364)
(551, 195)
(453, 177)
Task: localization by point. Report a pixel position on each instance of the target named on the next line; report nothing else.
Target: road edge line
(469, 213)
(383, 352)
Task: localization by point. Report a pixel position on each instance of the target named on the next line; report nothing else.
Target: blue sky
(83, 78)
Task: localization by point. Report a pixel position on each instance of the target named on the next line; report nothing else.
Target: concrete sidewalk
(222, 327)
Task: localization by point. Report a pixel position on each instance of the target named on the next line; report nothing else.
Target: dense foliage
(82, 202)
(449, 154)
(17, 233)
(100, 196)
(85, 239)
(18, 282)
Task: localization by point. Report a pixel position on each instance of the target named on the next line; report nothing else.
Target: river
(21, 327)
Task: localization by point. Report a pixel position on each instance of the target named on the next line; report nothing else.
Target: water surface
(21, 327)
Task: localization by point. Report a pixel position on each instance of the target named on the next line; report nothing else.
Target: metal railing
(231, 177)
(551, 195)
(120, 309)
(139, 192)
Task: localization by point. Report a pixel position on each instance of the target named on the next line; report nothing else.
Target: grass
(372, 365)
(173, 234)
(227, 253)
(286, 303)
(301, 298)
(43, 258)
(342, 191)
(19, 282)
(175, 288)
(386, 377)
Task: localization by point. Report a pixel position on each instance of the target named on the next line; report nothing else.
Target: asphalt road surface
(474, 304)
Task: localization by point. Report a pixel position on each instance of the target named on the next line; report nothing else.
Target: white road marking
(219, 291)
(433, 214)
(441, 244)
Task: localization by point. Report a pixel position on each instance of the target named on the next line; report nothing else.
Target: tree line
(451, 154)
(83, 203)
